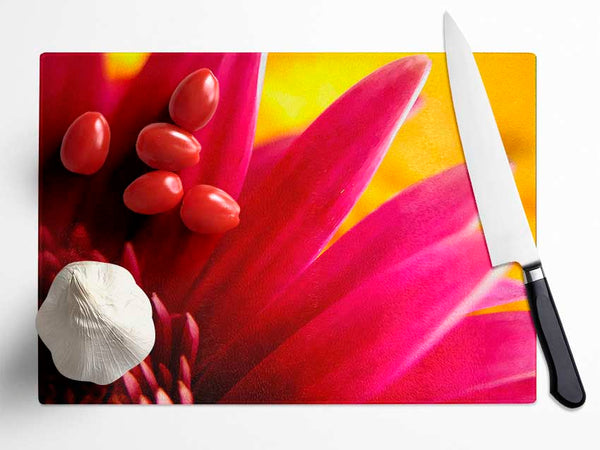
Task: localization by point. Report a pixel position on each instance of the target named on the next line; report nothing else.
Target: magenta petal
(149, 376)
(185, 395)
(506, 291)
(415, 219)
(265, 158)
(185, 374)
(191, 339)
(287, 219)
(518, 389)
(417, 107)
(162, 398)
(166, 379)
(377, 331)
(132, 386)
(226, 148)
(227, 139)
(488, 358)
(130, 262)
(164, 330)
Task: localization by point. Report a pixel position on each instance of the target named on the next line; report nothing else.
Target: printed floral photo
(300, 226)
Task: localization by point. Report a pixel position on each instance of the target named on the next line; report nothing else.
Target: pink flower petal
(505, 292)
(162, 398)
(518, 389)
(185, 374)
(130, 262)
(132, 386)
(227, 139)
(378, 331)
(488, 358)
(413, 220)
(149, 376)
(185, 395)
(417, 107)
(166, 379)
(288, 217)
(190, 340)
(164, 332)
(265, 158)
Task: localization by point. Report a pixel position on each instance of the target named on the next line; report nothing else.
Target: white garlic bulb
(96, 321)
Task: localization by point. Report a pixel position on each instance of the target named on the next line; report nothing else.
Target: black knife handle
(565, 383)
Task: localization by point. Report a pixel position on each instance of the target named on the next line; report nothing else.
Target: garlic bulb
(96, 321)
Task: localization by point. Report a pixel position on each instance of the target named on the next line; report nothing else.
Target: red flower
(261, 314)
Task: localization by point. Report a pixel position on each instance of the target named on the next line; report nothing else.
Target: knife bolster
(533, 273)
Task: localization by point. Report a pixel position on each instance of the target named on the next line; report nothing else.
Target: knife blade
(505, 227)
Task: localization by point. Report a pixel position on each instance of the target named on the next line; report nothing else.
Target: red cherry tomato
(165, 146)
(195, 100)
(207, 209)
(85, 144)
(154, 192)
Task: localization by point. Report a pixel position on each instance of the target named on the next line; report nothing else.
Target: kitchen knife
(507, 234)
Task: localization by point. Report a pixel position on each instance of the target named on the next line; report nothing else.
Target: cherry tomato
(195, 100)
(165, 146)
(207, 209)
(85, 144)
(154, 192)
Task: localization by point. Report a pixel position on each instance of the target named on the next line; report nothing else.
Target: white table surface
(566, 38)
